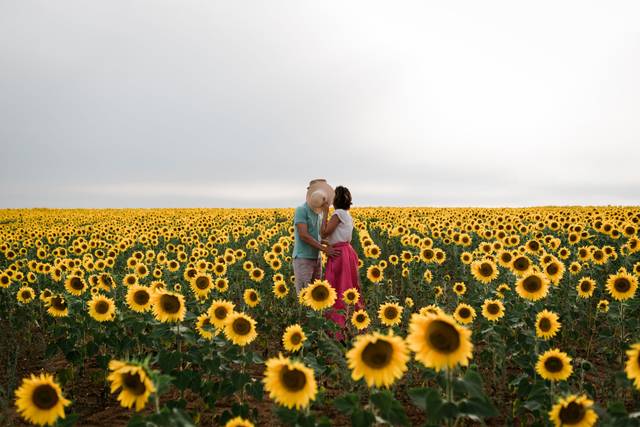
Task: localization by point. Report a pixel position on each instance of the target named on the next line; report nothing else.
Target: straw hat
(319, 192)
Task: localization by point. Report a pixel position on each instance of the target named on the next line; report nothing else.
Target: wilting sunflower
(603, 305)
(533, 286)
(25, 295)
(289, 383)
(632, 367)
(375, 274)
(430, 309)
(622, 285)
(219, 312)
(585, 287)
(464, 313)
(58, 306)
(439, 342)
(238, 422)
(573, 411)
(320, 295)
(390, 313)
(280, 289)
(484, 271)
(102, 308)
(547, 324)
(139, 298)
(351, 296)
(134, 384)
(554, 365)
(205, 328)
(201, 285)
(360, 319)
(75, 285)
(293, 338)
(380, 359)
(39, 400)
(240, 329)
(168, 306)
(492, 309)
(251, 297)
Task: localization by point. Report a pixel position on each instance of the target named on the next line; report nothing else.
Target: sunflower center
(443, 336)
(521, 263)
(170, 303)
(464, 312)
(281, 289)
(486, 270)
(131, 280)
(58, 303)
(141, 297)
(585, 286)
(202, 283)
(294, 380)
(320, 293)
(133, 383)
(390, 312)
(296, 338)
(506, 257)
(552, 269)
(622, 284)
(493, 308)
(45, 397)
(241, 326)
(102, 307)
(544, 324)
(360, 318)
(573, 413)
(220, 313)
(76, 283)
(253, 296)
(553, 364)
(26, 295)
(532, 284)
(377, 354)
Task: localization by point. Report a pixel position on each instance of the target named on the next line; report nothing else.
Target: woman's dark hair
(342, 198)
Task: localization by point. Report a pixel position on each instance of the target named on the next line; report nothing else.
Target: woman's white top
(344, 230)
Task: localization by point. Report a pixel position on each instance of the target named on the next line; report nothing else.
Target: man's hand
(331, 251)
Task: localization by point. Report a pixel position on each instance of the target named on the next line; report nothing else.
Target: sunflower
(256, 274)
(280, 289)
(247, 266)
(5, 281)
(351, 296)
(168, 306)
(240, 329)
(492, 309)
(219, 312)
(554, 365)
(45, 294)
(430, 309)
(293, 338)
(632, 367)
(75, 285)
(238, 422)
(139, 298)
(438, 291)
(533, 286)
(201, 285)
(204, 327)
(547, 324)
(459, 288)
(585, 287)
(360, 319)
(222, 284)
(39, 400)
(484, 271)
(390, 313)
(408, 301)
(466, 258)
(622, 285)
(320, 295)
(58, 306)
(521, 265)
(380, 359)
(25, 295)
(102, 308)
(464, 313)
(603, 305)
(251, 297)
(289, 383)
(375, 274)
(439, 342)
(134, 384)
(573, 411)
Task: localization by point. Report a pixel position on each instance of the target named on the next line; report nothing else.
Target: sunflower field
(184, 317)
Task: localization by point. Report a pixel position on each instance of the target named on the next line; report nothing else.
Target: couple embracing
(315, 232)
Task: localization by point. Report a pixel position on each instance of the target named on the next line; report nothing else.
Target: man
(307, 265)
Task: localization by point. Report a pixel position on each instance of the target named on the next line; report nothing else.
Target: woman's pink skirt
(342, 273)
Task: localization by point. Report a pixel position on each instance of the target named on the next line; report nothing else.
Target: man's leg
(317, 270)
(303, 270)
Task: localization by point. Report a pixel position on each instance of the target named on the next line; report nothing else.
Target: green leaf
(362, 418)
(389, 408)
(347, 404)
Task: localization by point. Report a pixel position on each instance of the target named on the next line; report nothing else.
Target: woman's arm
(329, 227)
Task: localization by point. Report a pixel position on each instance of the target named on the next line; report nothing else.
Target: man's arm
(303, 232)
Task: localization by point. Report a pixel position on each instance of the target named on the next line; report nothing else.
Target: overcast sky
(239, 103)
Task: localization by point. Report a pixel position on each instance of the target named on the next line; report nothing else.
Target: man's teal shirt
(305, 215)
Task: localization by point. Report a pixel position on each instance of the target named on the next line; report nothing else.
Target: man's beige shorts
(306, 271)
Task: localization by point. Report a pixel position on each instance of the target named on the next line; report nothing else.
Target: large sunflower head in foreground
(573, 411)
(133, 382)
(320, 295)
(168, 306)
(380, 359)
(39, 400)
(632, 367)
(622, 285)
(289, 383)
(439, 342)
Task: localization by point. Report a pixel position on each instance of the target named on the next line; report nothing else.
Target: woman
(341, 271)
